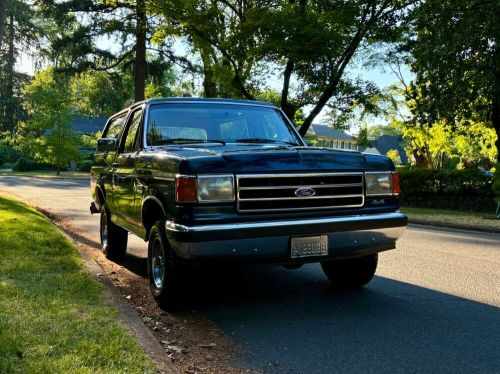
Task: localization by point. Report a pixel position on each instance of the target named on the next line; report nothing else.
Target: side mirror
(105, 145)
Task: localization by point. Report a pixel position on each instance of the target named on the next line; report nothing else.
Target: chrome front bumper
(269, 241)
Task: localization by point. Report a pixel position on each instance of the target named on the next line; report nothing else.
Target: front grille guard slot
(332, 201)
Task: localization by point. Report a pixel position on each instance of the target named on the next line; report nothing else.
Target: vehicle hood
(211, 159)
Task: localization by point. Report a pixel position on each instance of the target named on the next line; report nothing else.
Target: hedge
(468, 190)
(85, 165)
(25, 164)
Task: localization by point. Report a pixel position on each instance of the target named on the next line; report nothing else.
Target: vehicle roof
(203, 100)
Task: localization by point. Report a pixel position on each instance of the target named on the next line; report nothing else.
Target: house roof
(327, 131)
(385, 143)
(88, 125)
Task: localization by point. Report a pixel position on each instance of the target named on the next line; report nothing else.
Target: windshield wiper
(187, 141)
(261, 140)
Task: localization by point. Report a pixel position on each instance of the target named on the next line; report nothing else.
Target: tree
(456, 58)
(362, 138)
(99, 93)
(21, 32)
(81, 24)
(393, 154)
(376, 131)
(311, 43)
(47, 136)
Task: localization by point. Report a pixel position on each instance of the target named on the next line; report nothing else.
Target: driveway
(434, 305)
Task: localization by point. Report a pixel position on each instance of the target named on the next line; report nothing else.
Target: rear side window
(115, 127)
(132, 131)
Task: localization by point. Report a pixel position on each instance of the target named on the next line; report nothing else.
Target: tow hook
(93, 208)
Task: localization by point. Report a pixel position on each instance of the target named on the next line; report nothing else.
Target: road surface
(434, 305)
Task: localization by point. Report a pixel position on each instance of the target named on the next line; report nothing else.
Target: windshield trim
(286, 120)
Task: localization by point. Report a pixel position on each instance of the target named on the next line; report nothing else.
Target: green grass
(48, 174)
(54, 317)
(467, 219)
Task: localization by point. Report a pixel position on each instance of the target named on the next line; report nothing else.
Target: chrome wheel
(158, 263)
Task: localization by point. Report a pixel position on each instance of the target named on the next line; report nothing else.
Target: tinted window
(132, 131)
(115, 127)
(229, 123)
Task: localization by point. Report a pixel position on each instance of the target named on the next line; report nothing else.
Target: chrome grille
(277, 192)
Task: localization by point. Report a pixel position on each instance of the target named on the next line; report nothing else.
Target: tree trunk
(209, 87)
(9, 87)
(140, 51)
(2, 20)
(287, 108)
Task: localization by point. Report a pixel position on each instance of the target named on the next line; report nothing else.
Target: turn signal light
(395, 184)
(186, 189)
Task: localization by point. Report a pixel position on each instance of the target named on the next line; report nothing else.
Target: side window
(114, 128)
(134, 123)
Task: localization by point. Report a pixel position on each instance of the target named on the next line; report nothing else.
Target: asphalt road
(434, 305)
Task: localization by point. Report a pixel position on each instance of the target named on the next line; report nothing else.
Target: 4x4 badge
(305, 192)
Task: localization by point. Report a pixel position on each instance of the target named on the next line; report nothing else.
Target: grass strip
(453, 218)
(54, 317)
(47, 174)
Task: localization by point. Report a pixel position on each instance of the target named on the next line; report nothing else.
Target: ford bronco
(211, 181)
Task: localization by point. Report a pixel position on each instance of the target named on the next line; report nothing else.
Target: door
(105, 161)
(124, 172)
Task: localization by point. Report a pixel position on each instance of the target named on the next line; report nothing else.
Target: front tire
(113, 238)
(164, 272)
(351, 273)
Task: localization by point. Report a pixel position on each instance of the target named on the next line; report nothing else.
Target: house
(88, 125)
(328, 137)
(385, 143)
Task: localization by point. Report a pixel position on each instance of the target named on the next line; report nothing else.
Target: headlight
(215, 188)
(382, 183)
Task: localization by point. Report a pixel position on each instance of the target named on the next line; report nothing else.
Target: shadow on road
(294, 322)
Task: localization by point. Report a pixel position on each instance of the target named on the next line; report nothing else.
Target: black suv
(227, 181)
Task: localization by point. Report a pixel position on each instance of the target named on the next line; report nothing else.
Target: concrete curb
(127, 314)
(453, 225)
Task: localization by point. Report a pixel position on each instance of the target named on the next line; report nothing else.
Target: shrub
(468, 189)
(496, 182)
(25, 164)
(8, 154)
(85, 165)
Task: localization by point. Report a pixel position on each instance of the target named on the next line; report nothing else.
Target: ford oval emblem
(305, 192)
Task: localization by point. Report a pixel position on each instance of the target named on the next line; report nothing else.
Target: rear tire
(351, 273)
(164, 272)
(113, 238)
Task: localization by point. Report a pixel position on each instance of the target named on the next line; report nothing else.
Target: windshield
(194, 123)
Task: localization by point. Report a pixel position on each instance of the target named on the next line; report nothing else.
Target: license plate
(309, 246)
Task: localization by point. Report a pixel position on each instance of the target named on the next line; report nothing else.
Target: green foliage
(89, 141)
(496, 182)
(47, 136)
(362, 138)
(433, 145)
(393, 154)
(312, 44)
(455, 58)
(377, 131)
(99, 93)
(468, 190)
(8, 153)
(26, 164)
(85, 165)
